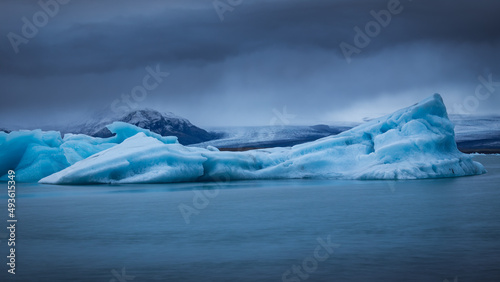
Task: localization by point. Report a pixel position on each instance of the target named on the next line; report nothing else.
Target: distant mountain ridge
(166, 124)
(472, 133)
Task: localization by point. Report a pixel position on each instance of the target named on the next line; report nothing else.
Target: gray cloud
(264, 55)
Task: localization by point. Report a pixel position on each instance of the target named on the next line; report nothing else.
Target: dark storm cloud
(185, 35)
(264, 54)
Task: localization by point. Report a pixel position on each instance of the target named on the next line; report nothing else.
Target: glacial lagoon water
(283, 230)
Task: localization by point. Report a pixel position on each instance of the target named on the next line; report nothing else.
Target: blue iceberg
(413, 143)
(34, 154)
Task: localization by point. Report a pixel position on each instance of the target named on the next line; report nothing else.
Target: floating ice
(34, 154)
(412, 143)
(135, 159)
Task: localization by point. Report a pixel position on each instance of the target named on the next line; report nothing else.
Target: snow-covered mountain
(166, 124)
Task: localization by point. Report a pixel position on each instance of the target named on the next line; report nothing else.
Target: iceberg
(413, 143)
(135, 159)
(34, 154)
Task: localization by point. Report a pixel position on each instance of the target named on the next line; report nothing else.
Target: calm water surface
(425, 230)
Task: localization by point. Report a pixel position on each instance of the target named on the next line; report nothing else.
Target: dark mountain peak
(166, 124)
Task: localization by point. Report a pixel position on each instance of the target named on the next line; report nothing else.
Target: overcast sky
(241, 62)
